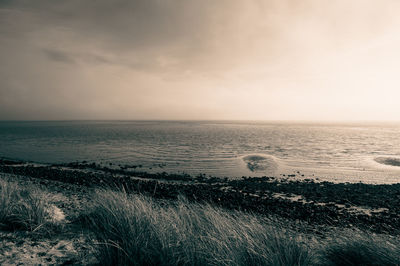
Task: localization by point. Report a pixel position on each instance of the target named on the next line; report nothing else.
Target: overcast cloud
(204, 59)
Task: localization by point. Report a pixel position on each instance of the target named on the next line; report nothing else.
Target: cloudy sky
(200, 59)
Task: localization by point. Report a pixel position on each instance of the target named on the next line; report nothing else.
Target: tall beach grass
(359, 248)
(133, 229)
(136, 230)
(22, 208)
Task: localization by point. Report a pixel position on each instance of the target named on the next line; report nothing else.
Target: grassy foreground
(22, 208)
(132, 229)
(136, 230)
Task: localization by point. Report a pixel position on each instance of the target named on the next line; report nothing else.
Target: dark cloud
(58, 56)
(141, 33)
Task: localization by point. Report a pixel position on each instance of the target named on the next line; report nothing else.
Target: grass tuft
(358, 248)
(22, 208)
(136, 230)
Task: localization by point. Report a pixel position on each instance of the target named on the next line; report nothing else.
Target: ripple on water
(260, 163)
(391, 161)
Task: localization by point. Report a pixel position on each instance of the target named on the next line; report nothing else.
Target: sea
(337, 152)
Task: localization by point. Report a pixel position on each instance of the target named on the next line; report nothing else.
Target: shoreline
(368, 207)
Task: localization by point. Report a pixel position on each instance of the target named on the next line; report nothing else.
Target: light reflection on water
(331, 151)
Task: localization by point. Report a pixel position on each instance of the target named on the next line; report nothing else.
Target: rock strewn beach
(374, 208)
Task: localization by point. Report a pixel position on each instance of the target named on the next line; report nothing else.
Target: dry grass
(358, 248)
(22, 208)
(139, 230)
(136, 230)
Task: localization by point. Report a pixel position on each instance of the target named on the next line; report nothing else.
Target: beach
(312, 207)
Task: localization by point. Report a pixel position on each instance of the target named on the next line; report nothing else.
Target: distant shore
(374, 208)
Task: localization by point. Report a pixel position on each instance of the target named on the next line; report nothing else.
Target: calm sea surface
(337, 152)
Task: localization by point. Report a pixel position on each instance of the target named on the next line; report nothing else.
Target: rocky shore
(374, 208)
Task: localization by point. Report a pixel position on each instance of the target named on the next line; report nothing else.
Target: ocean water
(341, 152)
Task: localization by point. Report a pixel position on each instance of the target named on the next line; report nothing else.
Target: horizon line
(207, 120)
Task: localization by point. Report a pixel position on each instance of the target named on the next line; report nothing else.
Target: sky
(200, 59)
